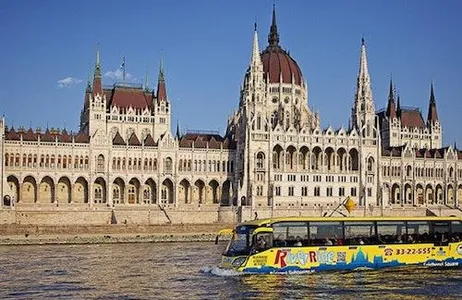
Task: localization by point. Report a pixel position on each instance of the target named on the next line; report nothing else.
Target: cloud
(68, 82)
(117, 75)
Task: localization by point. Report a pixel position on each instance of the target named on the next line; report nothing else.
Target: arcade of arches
(133, 191)
(315, 159)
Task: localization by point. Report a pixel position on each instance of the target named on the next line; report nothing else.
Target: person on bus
(280, 241)
(327, 242)
(298, 241)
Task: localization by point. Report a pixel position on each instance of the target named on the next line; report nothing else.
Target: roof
(277, 63)
(267, 221)
(49, 135)
(133, 140)
(149, 141)
(412, 118)
(206, 140)
(136, 98)
(118, 140)
(393, 151)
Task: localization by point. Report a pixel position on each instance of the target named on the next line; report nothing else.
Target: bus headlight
(239, 261)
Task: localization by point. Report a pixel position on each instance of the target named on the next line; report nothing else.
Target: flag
(122, 67)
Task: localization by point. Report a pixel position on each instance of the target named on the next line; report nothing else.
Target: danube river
(186, 271)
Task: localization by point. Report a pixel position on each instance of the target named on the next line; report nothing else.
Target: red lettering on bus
(312, 256)
(281, 258)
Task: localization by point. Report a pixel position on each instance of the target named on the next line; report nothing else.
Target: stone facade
(125, 162)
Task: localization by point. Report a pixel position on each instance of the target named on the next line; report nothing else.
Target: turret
(432, 113)
(273, 36)
(97, 85)
(391, 107)
(364, 110)
(161, 90)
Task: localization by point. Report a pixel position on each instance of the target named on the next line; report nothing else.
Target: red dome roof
(278, 63)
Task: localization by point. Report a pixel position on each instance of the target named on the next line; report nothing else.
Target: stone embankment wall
(14, 234)
(200, 215)
(127, 225)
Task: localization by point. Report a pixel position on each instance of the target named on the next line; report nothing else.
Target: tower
(366, 123)
(363, 115)
(433, 123)
(96, 109)
(391, 129)
(162, 109)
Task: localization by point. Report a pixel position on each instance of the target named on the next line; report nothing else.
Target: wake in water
(217, 271)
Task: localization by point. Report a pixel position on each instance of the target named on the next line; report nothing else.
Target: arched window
(168, 164)
(100, 163)
(260, 160)
(370, 164)
(408, 171)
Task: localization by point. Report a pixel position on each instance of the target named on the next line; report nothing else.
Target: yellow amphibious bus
(292, 244)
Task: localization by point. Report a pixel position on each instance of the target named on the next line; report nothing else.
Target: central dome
(277, 63)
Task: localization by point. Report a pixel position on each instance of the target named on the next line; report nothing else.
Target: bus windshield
(240, 244)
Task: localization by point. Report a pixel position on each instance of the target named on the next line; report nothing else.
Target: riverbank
(14, 234)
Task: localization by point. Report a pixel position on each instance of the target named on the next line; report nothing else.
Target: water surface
(186, 271)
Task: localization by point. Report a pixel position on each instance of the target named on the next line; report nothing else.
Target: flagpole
(123, 75)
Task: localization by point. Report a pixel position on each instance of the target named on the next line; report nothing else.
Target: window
(100, 163)
(390, 232)
(259, 190)
(326, 233)
(290, 234)
(329, 192)
(359, 233)
(317, 191)
(277, 191)
(168, 164)
(353, 191)
(291, 190)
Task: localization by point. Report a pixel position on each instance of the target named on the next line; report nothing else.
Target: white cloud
(117, 75)
(68, 82)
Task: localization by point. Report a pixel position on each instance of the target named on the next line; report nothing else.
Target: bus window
(456, 229)
(440, 231)
(290, 234)
(419, 231)
(389, 232)
(326, 233)
(261, 242)
(359, 233)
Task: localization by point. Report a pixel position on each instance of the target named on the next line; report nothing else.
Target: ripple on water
(189, 271)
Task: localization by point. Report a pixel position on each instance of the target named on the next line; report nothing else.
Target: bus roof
(268, 221)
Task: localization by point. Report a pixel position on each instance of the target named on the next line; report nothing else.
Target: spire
(391, 107)
(432, 113)
(97, 86)
(88, 89)
(178, 130)
(398, 108)
(161, 90)
(255, 60)
(273, 37)
(364, 110)
(146, 82)
(363, 61)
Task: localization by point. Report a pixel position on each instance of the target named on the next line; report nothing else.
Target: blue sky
(48, 48)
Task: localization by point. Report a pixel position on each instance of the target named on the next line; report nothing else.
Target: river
(187, 271)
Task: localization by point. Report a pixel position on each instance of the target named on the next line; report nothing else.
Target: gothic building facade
(274, 152)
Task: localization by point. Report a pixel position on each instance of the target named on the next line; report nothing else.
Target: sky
(48, 49)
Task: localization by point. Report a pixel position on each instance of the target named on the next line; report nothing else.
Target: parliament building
(274, 153)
